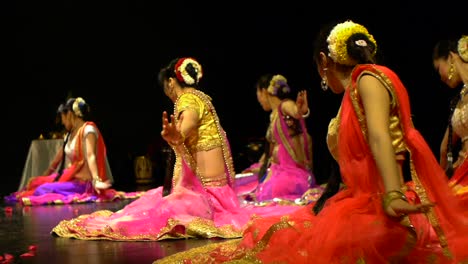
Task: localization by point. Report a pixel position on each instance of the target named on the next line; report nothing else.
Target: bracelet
(179, 142)
(306, 114)
(391, 196)
(96, 179)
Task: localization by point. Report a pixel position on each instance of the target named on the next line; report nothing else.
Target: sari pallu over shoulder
(447, 218)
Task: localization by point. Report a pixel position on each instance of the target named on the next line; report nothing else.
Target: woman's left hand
(399, 207)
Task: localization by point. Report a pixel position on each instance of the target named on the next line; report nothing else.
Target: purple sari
(290, 174)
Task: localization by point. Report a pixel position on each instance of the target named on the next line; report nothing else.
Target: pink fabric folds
(190, 210)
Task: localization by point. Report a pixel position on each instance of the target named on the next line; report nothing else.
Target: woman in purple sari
(78, 173)
(284, 171)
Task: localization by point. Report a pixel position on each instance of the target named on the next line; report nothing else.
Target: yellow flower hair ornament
(278, 82)
(337, 49)
(79, 102)
(463, 48)
(183, 75)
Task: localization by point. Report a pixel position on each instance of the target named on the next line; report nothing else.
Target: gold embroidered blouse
(460, 125)
(396, 132)
(206, 137)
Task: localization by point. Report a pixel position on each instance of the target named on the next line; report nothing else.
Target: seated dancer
(371, 219)
(284, 171)
(201, 202)
(78, 172)
(450, 59)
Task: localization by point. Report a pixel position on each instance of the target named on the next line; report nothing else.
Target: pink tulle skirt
(181, 214)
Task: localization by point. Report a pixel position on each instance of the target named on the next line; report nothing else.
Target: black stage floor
(25, 226)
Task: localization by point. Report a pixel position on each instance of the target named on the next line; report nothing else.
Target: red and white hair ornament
(183, 75)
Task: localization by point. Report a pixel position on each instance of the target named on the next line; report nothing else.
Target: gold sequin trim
(196, 228)
(395, 130)
(221, 133)
(284, 139)
(431, 216)
(200, 254)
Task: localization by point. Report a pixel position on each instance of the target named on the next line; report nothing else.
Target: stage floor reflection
(22, 227)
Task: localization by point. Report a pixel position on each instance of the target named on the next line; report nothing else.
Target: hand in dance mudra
(301, 102)
(171, 130)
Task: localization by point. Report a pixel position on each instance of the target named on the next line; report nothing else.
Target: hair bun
(338, 37)
(188, 71)
(463, 48)
(78, 106)
(277, 83)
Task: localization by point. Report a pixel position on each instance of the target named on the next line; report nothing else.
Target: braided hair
(62, 162)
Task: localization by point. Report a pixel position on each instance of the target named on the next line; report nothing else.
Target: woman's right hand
(101, 185)
(169, 132)
(400, 207)
(301, 102)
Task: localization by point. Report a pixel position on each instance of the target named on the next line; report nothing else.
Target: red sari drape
(77, 162)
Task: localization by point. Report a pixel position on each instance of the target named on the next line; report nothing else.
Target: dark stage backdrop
(108, 51)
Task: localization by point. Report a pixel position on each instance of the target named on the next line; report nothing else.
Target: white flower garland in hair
(182, 69)
(463, 48)
(337, 49)
(76, 106)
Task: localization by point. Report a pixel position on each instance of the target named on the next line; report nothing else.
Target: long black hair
(453, 104)
(361, 55)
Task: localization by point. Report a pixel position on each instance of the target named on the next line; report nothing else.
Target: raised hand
(170, 133)
(301, 102)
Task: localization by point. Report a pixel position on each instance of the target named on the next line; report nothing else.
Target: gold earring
(451, 71)
(323, 82)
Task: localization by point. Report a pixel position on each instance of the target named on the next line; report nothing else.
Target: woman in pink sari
(78, 173)
(202, 202)
(284, 171)
(373, 219)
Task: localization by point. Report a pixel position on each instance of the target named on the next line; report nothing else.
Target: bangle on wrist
(391, 196)
(306, 114)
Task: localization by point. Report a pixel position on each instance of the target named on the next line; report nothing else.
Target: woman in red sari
(373, 219)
